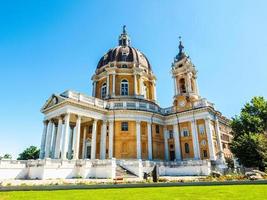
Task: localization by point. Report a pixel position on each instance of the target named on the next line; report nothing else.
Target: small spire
(181, 53)
(181, 47)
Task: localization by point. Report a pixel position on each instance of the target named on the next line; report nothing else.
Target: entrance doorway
(172, 155)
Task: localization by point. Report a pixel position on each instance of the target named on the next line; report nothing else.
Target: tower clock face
(182, 103)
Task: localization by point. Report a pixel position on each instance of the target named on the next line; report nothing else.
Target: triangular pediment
(53, 100)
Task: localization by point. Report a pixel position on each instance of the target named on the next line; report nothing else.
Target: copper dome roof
(124, 53)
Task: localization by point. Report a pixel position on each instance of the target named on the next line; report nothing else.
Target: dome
(124, 53)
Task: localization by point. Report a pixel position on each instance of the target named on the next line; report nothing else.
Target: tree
(31, 152)
(249, 129)
(7, 156)
(230, 163)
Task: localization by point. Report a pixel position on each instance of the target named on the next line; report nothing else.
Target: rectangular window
(90, 129)
(205, 154)
(185, 132)
(124, 126)
(157, 128)
(201, 128)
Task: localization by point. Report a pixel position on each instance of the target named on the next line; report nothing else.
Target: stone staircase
(121, 172)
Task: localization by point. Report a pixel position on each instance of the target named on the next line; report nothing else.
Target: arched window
(124, 87)
(103, 90)
(182, 85)
(186, 147)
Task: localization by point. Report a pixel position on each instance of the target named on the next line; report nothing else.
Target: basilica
(122, 120)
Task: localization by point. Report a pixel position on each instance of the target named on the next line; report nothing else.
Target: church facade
(123, 120)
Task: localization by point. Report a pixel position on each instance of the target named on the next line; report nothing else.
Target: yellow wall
(188, 140)
(125, 141)
(98, 139)
(202, 137)
(157, 142)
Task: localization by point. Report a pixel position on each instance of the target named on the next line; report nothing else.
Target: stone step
(124, 173)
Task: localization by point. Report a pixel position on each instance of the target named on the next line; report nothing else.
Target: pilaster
(138, 140)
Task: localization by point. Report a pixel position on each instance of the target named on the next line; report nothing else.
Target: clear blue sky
(49, 46)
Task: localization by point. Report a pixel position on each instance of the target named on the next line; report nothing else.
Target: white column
(93, 147)
(166, 145)
(110, 137)
(135, 84)
(175, 85)
(42, 147)
(65, 139)
(219, 140)
(103, 140)
(77, 138)
(71, 143)
(54, 135)
(84, 141)
(113, 84)
(94, 88)
(210, 139)
(138, 141)
(107, 85)
(188, 80)
(48, 139)
(58, 139)
(178, 87)
(195, 140)
(177, 142)
(149, 141)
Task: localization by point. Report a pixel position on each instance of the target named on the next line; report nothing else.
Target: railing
(85, 99)
(134, 105)
(176, 163)
(128, 104)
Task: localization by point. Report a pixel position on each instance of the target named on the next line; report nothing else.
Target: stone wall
(69, 169)
(57, 169)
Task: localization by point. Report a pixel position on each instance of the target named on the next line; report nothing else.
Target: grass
(236, 192)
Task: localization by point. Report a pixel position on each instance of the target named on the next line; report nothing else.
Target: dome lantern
(124, 39)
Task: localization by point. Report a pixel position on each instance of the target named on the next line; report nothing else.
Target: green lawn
(236, 192)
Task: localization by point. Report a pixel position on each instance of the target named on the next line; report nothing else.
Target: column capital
(110, 120)
(207, 118)
(165, 128)
(66, 114)
(138, 121)
(193, 121)
(61, 117)
(79, 117)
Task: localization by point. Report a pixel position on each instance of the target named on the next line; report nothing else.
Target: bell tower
(184, 77)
